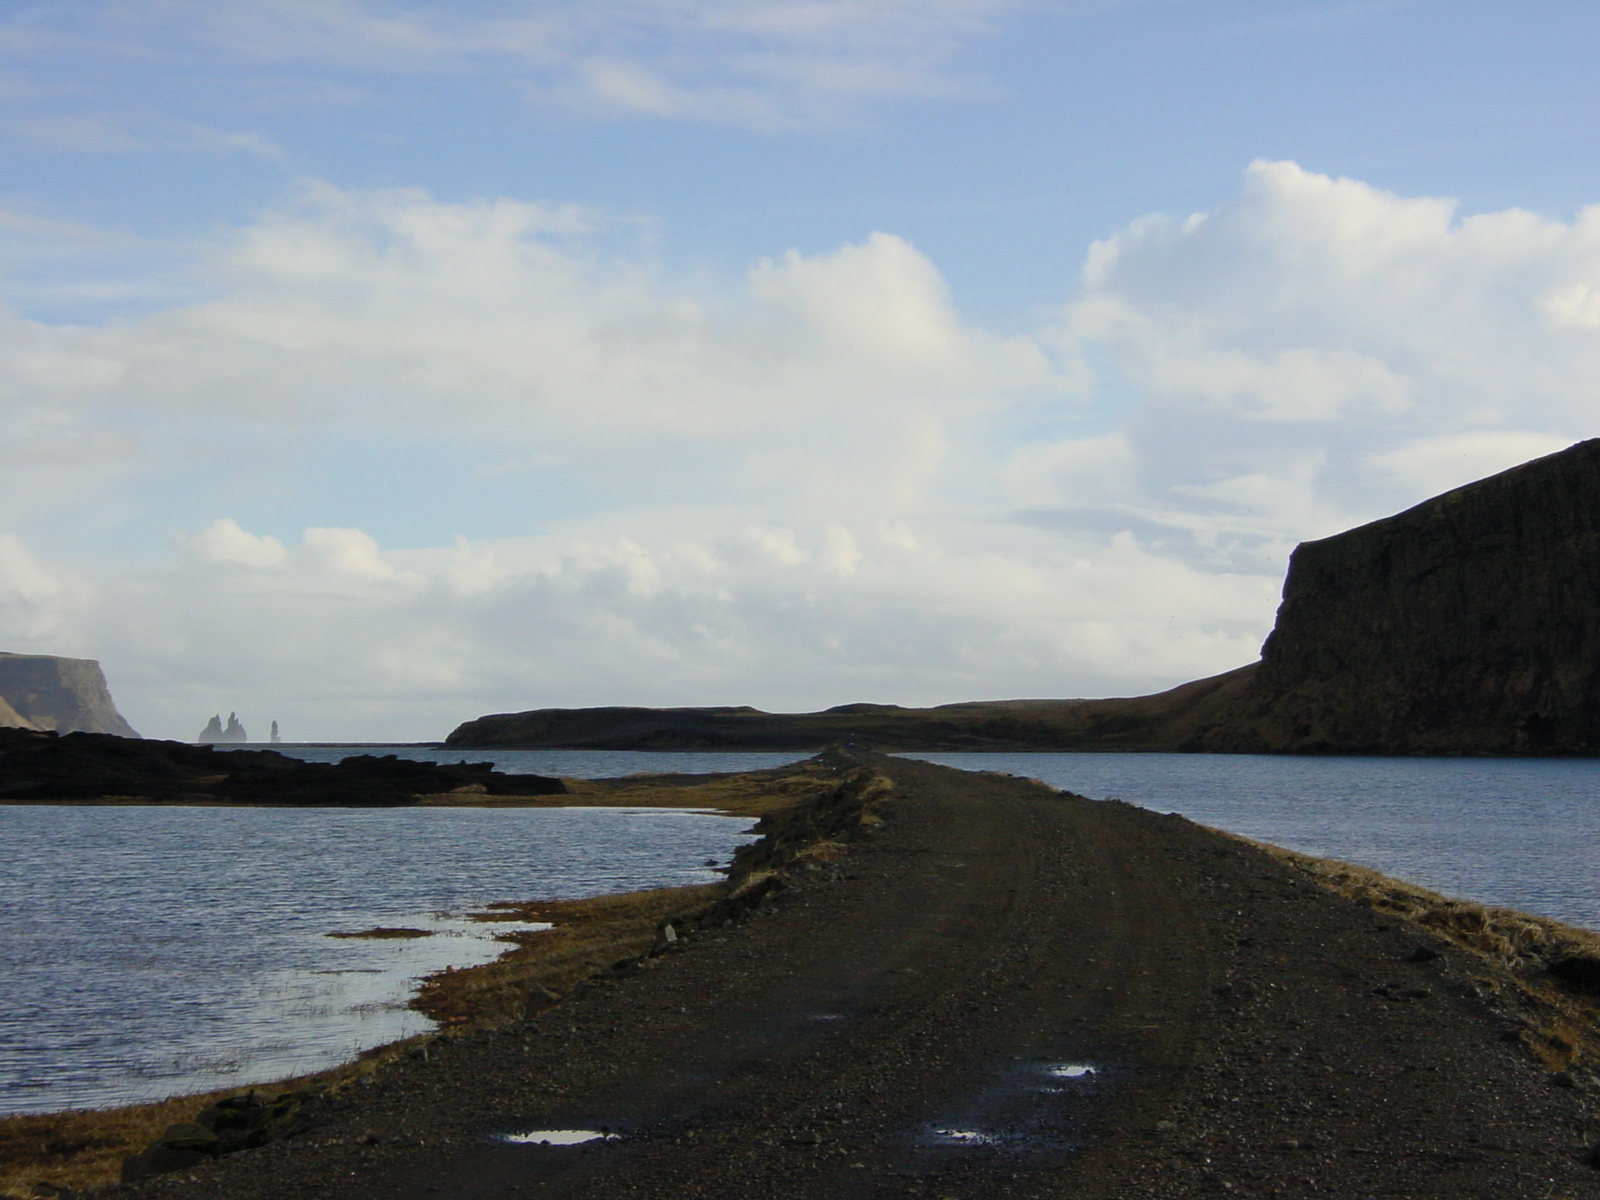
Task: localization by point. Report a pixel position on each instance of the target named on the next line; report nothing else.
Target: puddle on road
(961, 1137)
(1031, 1108)
(557, 1137)
(1070, 1070)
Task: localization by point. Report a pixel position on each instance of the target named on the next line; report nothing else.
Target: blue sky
(373, 366)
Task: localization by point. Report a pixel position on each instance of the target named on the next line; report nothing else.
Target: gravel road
(1004, 992)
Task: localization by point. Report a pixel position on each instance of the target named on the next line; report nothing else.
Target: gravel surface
(1003, 992)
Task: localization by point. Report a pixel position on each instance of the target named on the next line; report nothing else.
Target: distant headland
(64, 695)
(1469, 624)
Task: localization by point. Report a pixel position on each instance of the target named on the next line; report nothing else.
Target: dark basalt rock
(1469, 624)
(39, 767)
(230, 1125)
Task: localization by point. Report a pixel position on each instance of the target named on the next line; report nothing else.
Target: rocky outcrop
(214, 733)
(232, 1124)
(38, 767)
(68, 695)
(1469, 624)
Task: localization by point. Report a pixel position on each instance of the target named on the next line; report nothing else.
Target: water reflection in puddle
(1071, 1071)
(962, 1137)
(1031, 1107)
(557, 1137)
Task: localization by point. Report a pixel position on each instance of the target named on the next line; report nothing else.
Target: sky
(370, 367)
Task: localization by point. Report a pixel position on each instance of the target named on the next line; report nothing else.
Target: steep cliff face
(1468, 624)
(68, 695)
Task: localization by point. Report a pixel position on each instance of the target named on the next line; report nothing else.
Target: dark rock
(214, 731)
(1581, 970)
(190, 1135)
(1421, 954)
(36, 766)
(226, 1127)
(158, 1160)
(1469, 624)
(1163, 721)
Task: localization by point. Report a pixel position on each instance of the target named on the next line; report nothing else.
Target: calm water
(1519, 832)
(150, 951)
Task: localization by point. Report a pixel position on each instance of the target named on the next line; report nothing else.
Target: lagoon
(151, 951)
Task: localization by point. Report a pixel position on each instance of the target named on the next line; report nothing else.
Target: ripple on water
(152, 951)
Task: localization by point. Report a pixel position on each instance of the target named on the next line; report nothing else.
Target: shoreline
(590, 934)
(1558, 1038)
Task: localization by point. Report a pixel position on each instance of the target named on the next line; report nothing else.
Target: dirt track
(1247, 1034)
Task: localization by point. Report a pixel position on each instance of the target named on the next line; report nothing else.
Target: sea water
(153, 950)
(1521, 832)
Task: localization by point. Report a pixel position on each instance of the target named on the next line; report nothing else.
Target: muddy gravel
(1004, 991)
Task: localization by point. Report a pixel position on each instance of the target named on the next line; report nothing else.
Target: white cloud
(764, 64)
(338, 638)
(122, 133)
(1317, 352)
(885, 503)
(510, 319)
(41, 606)
(1438, 464)
(223, 541)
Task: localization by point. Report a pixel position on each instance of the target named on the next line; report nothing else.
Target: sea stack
(1469, 624)
(214, 733)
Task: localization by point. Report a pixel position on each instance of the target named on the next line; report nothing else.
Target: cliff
(68, 695)
(1469, 624)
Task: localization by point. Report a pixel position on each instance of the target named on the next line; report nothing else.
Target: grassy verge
(1542, 974)
(84, 1149)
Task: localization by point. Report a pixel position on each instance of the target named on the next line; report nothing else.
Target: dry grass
(586, 938)
(84, 1148)
(1560, 1023)
(754, 795)
(750, 795)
